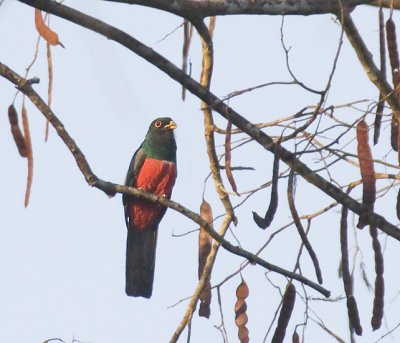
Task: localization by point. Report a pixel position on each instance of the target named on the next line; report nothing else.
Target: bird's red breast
(157, 177)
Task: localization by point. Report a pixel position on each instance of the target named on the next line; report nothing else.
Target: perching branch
(227, 112)
(110, 188)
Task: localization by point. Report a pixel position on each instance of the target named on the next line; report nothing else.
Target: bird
(152, 168)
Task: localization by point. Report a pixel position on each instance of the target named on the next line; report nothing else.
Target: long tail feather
(140, 260)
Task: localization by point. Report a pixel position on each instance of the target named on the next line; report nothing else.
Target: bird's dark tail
(140, 260)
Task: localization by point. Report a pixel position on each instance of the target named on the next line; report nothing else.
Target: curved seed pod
(398, 205)
(16, 131)
(228, 157)
(205, 241)
(300, 228)
(242, 292)
(377, 311)
(352, 308)
(29, 153)
(265, 222)
(48, 34)
(367, 173)
(288, 301)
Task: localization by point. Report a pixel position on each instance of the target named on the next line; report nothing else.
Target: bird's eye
(158, 124)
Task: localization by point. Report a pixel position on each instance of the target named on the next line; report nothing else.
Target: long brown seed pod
(49, 87)
(16, 131)
(242, 292)
(392, 49)
(394, 134)
(352, 309)
(29, 152)
(187, 39)
(367, 173)
(205, 241)
(265, 222)
(288, 301)
(300, 228)
(382, 53)
(377, 311)
(228, 157)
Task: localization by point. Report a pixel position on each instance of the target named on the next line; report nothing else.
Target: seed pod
(288, 301)
(16, 131)
(377, 311)
(392, 48)
(300, 228)
(187, 38)
(242, 292)
(228, 157)
(48, 34)
(394, 134)
(265, 222)
(382, 53)
(352, 309)
(295, 337)
(29, 153)
(367, 173)
(205, 241)
(398, 205)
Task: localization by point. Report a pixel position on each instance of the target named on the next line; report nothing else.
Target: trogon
(153, 168)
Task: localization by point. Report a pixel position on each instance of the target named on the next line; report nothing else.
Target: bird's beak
(171, 125)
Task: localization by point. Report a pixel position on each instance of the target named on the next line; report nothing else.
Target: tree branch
(206, 8)
(227, 112)
(110, 188)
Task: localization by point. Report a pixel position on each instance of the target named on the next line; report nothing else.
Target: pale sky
(62, 259)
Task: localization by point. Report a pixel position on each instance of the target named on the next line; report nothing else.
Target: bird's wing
(133, 171)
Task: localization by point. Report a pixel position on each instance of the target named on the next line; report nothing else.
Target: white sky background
(62, 260)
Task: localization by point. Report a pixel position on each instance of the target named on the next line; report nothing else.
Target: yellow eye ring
(158, 124)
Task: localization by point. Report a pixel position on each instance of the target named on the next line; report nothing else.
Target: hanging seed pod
(242, 292)
(265, 222)
(48, 34)
(288, 301)
(228, 157)
(29, 153)
(16, 131)
(367, 173)
(205, 242)
(300, 228)
(352, 309)
(392, 49)
(378, 307)
(382, 53)
(394, 134)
